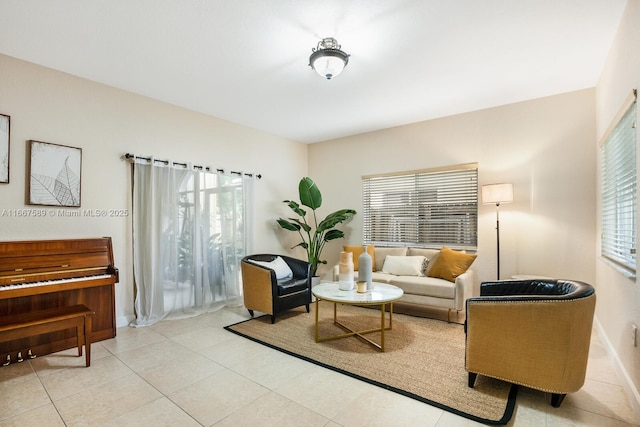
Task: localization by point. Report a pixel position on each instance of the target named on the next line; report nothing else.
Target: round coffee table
(382, 294)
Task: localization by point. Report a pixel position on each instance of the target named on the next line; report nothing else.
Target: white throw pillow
(404, 265)
(381, 253)
(279, 266)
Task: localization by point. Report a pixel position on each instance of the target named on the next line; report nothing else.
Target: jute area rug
(423, 358)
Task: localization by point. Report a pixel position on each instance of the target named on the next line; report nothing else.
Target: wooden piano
(43, 274)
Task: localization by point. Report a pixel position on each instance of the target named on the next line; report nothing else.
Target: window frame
(618, 190)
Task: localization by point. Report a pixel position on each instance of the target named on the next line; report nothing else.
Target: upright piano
(41, 274)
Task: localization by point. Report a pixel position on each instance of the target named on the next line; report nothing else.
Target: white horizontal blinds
(390, 210)
(449, 208)
(619, 193)
(424, 208)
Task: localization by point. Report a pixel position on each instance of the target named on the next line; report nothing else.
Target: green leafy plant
(315, 234)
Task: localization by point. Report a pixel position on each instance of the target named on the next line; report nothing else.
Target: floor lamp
(497, 193)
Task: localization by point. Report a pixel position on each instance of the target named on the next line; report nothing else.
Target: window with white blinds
(429, 208)
(619, 195)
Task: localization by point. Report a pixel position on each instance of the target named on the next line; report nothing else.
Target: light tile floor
(191, 372)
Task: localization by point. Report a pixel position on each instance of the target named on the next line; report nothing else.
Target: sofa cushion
(378, 276)
(427, 286)
(357, 251)
(381, 254)
(425, 252)
(449, 264)
(291, 286)
(404, 265)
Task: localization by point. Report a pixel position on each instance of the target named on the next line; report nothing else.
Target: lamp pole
(498, 239)
(497, 193)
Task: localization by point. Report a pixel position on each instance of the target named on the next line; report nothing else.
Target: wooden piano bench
(51, 320)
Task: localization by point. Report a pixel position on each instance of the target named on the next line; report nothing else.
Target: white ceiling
(246, 61)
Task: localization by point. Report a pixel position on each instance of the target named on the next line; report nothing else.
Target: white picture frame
(54, 174)
(5, 133)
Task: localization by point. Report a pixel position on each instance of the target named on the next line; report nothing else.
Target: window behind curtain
(428, 208)
(189, 234)
(618, 192)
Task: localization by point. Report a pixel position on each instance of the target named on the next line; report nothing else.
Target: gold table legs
(360, 334)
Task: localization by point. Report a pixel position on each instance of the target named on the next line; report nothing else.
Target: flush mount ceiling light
(327, 59)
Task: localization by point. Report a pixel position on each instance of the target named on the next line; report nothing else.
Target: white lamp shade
(497, 193)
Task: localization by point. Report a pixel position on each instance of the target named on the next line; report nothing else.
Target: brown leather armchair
(264, 292)
(535, 333)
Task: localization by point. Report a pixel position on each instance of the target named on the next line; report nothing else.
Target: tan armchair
(267, 290)
(535, 333)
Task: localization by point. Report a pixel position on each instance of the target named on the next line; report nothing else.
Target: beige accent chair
(534, 333)
(267, 292)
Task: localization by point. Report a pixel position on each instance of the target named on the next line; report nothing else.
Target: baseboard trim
(123, 321)
(627, 383)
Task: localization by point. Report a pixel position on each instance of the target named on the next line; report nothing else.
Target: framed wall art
(5, 131)
(54, 174)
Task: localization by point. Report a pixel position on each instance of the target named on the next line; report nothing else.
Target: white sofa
(420, 289)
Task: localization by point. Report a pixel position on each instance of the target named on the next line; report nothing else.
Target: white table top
(381, 293)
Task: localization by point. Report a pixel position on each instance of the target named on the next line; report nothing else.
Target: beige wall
(544, 147)
(619, 297)
(106, 123)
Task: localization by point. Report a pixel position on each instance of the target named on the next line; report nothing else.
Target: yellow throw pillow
(357, 251)
(449, 264)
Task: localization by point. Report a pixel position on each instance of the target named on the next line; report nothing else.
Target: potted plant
(314, 234)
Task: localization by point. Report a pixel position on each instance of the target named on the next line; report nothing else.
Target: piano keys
(41, 274)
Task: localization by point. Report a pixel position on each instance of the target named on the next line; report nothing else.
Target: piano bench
(51, 320)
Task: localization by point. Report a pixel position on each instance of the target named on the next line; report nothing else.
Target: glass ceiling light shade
(327, 59)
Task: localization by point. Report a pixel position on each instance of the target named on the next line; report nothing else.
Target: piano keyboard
(52, 282)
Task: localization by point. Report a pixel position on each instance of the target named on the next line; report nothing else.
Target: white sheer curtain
(190, 230)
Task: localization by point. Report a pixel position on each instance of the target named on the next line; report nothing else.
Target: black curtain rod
(166, 162)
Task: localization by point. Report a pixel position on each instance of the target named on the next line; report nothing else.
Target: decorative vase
(365, 268)
(345, 276)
